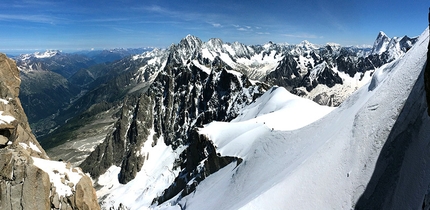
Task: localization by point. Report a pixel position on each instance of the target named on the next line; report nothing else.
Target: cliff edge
(28, 179)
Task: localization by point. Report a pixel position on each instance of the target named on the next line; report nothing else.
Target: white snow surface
(4, 101)
(57, 172)
(32, 146)
(155, 176)
(277, 109)
(341, 92)
(324, 165)
(5, 119)
(46, 54)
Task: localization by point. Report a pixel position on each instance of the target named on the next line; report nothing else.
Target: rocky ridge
(24, 183)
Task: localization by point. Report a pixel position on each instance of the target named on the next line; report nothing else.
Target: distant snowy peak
(303, 65)
(190, 43)
(381, 43)
(394, 47)
(254, 61)
(306, 45)
(46, 54)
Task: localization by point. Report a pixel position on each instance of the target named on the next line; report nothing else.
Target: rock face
(23, 184)
(200, 150)
(121, 147)
(427, 75)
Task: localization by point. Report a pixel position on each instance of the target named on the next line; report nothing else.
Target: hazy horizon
(30, 26)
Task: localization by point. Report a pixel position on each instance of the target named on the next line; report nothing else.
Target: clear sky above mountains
(30, 25)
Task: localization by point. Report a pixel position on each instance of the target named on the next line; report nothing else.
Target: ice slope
(325, 165)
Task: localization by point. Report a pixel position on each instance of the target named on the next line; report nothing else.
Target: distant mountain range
(326, 74)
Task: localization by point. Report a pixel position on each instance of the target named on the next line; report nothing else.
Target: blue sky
(30, 25)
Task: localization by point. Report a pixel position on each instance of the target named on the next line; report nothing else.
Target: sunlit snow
(155, 176)
(60, 175)
(5, 119)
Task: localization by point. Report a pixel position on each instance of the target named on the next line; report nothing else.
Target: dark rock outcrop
(200, 149)
(121, 147)
(287, 74)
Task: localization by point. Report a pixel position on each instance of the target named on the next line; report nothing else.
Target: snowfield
(296, 154)
(60, 174)
(276, 110)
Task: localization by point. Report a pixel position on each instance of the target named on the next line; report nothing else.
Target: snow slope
(276, 110)
(324, 165)
(155, 176)
(62, 175)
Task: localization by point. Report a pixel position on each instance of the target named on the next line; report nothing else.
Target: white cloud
(29, 18)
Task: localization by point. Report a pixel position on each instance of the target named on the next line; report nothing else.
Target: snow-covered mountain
(46, 54)
(326, 74)
(65, 64)
(268, 158)
(141, 127)
(393, 47)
